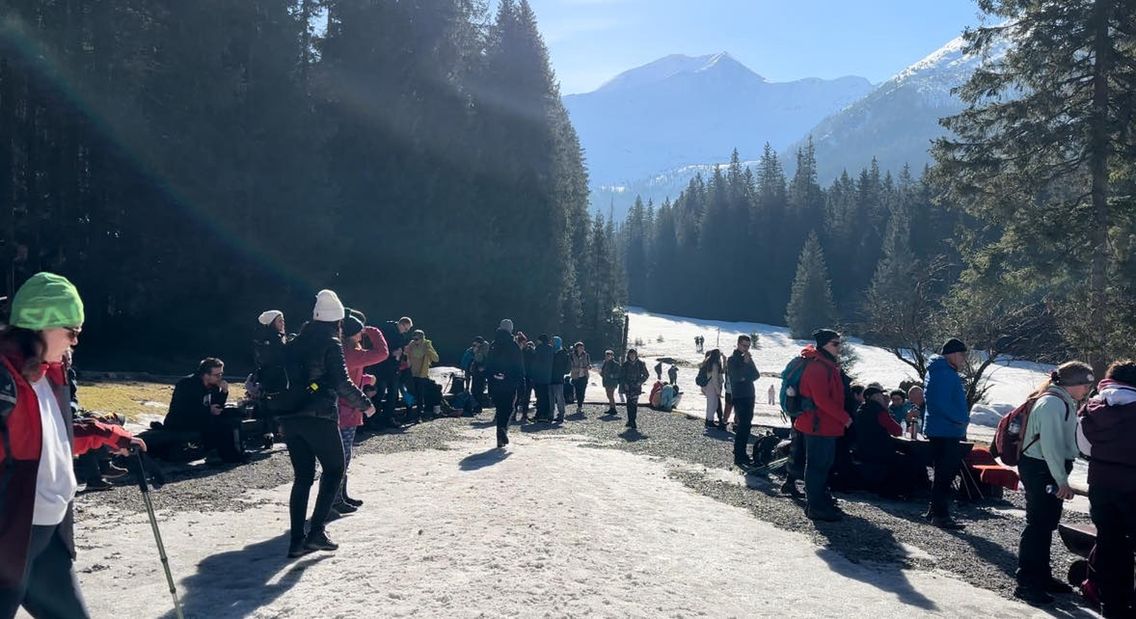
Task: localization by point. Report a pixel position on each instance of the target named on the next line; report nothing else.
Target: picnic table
(920, 448)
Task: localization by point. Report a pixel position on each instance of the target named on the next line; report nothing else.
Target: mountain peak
(676, 65)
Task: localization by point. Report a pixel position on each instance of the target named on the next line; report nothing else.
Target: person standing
(712, 368)
(947, 419)
(581, 368)
(1107, 434)
(632, 376)
(40, 437)
(541, 374)
(312, 431)
(823, 421)
(772, 396)
(1047, 459)
(421, 355)
(386, 373)
(742, 373)
(610, 373)
(357, 357)
(561, 367)
(505, 369)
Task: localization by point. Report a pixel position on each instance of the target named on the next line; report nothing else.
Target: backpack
(703, 377)
(793, 404)
(284, 388)
(1010, 438)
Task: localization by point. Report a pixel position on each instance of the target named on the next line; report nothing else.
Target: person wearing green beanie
(37, 482)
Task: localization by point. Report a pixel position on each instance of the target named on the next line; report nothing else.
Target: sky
(591, 41)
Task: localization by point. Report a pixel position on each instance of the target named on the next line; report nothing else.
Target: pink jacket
(357, 359)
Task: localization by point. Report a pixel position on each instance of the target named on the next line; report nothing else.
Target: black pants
(504, 397)
(946, 455)
(743, 426)
(524, 395)
(820, 451)
(1114, 514)
(1043, 514)
(419, 385)
(632, 408)
(580, 388)
(543, 402)
(49, 588)
(795, 467)
(310, 439)
(477, 385)
(87, 466)
(387, 389)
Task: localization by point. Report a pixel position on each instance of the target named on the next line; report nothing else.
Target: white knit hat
(507, 325)
(269, 317)
(328, 307)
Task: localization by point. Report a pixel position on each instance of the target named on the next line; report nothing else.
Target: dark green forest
(190, 164)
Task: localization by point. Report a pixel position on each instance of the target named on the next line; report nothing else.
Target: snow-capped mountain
(681, 110)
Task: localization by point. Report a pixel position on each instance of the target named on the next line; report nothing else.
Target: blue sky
(591, 41)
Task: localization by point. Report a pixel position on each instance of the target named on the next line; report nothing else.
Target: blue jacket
(947, 412)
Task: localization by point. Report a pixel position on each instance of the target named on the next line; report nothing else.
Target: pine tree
(810, 304)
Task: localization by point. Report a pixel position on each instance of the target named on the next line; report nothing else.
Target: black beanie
(872, 390)
(953, 345)
(824, 336)
(351, 326)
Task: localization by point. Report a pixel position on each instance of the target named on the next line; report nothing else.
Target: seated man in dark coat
(197, 410)
(882, 468)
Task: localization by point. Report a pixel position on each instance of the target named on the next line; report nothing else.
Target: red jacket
(19, 468)
(821, 384)
(357, 359)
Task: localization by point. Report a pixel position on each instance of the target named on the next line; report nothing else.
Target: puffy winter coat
(1108, 424)
(581, 364)
(320, 354)
(421, 355)
(357, 359)
(20, 455)
(632, 376)
(821, 383)
(947, 413)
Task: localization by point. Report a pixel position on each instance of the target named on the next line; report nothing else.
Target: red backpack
(1010, 437)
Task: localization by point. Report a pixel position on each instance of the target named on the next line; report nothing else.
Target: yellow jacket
(421, 355)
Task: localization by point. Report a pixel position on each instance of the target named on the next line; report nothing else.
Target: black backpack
(703, 377)
(284, 385)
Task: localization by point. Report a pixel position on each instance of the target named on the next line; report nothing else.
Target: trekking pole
(145, 487)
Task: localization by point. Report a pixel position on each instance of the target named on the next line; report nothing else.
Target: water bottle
(1015, 427)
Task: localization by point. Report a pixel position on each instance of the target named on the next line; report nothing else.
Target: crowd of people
(338, 373)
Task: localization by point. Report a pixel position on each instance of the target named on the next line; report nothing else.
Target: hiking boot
(1033, 596)
(344, 508)
(113, 471)
(824, 514)
(98, 485)
(296, 549)
(353, 502)
(946, 523)
(318, 540)
(1057, 587)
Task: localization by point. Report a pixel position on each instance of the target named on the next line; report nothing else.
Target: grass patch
(134, 399)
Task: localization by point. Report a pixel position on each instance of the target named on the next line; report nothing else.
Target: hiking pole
(145, 487)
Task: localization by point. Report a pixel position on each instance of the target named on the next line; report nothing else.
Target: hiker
(659, 371)
(473, 364)
(540, 371)
(505, 369)
(356, 357)
(420, 354)
(946, 420)
(899, 407)
(581, 369)
(1047, 457)
(386, 373)
(610, 373)
(918, 408)
(632, 376)
(713, 375)
(197, 411)
(37, 482)
(561, 368)
(672, 375)
(742, 372)
(524, 390)
(1108, 430)
(823, 422)
(311, 432)
(882, 468)
(772, 396)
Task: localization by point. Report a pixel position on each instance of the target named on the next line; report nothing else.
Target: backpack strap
(1037, 437)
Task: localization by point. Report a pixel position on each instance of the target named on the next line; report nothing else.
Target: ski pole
(145, 487)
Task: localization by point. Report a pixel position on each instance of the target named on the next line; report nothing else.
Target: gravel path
(876, 531)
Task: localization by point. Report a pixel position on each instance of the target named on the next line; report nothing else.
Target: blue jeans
(347, 437)
(820, 451)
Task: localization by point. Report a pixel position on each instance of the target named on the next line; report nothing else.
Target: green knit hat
(47, 301)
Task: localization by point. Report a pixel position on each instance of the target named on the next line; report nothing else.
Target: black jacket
(189, 406)
(320, 356)
(561, 365)
(541, 369)
(633, 375)
(395, 341)
(872, 441)
(528, 355)
(504, 363)
(741, 373)
(611, 371)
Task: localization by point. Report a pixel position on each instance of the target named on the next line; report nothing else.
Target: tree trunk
(1098, 168)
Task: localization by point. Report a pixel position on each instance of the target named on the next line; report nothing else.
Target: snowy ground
(551, 527)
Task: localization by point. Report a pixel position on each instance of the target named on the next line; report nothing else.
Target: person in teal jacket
(947, 419)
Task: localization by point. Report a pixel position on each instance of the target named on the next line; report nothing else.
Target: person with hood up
(421, 355)
(823, 421)
(633, 374)
(357, 356)
(40, 437)
(1107, 435)
(947, 418)
(505, 369)
(561, 366)
(312, 431)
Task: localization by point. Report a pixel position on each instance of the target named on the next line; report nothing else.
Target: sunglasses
(73, 332)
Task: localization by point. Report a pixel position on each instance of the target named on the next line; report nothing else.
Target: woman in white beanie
(312, 432)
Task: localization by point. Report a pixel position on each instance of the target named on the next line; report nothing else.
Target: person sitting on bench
(882, 468)
(197, 410)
